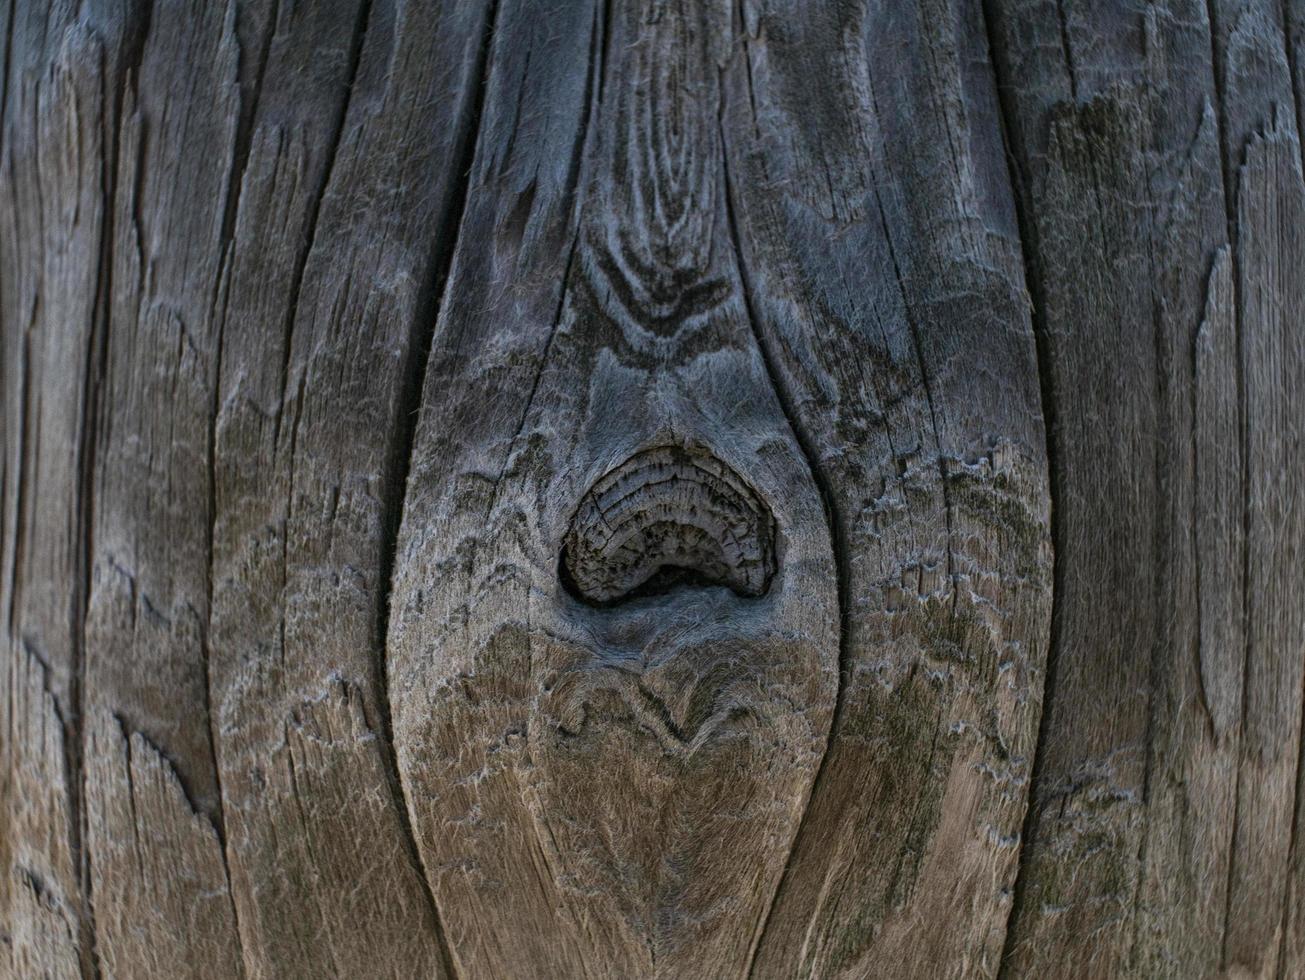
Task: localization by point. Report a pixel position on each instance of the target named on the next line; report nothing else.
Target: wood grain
(58, 133)
(889, 294)
(606, 790)
(1158, 165)
(320, 335)
(493, 489)
(41, 888)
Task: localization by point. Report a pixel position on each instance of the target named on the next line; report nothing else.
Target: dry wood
(498, 489)
(1159, 171)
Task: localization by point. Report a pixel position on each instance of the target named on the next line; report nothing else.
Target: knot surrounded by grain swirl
(668, 516)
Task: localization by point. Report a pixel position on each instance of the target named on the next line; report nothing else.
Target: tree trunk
(497, 489)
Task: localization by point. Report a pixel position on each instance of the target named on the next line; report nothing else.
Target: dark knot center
(668, 516)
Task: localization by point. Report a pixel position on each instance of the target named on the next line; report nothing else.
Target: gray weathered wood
(583, 780)
(495, 489)
(1159, 172)
(884, 267)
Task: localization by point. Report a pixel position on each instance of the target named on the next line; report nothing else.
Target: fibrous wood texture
(497, 489)
(1158, 164)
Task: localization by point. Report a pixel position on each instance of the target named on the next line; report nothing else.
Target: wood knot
(667, 516)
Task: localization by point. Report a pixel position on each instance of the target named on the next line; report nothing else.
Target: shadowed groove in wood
(1234, 259)
(4, 72)
(837, 534)
(1033, 281)
(134, 35)
(246, 131)
(414, 374)
(231, 210)
(362, 23)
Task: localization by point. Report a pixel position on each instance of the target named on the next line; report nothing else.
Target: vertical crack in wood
(600, 69)
(593, 93)
(425, 319)
(87, 962)
(597, 65)
(133, 41)
(593, 96)
(1163, 558)
(74, 747)
(298, 797)
(361, 24)
(598, 60)
(362, 20)
(243, 139)
(1230, 210)
(125, 734)
(21, 480)
(1229, 198)
(1293, 850)
(833, 522)
(593, 86)
(1199, 613)
(1062, 22)
(230, 213)
(1246, 552)
(1028, 242)
(5, 544)
(917, 345)
(1293, 75)
(492, 502)
(231, 207)
(4, 75)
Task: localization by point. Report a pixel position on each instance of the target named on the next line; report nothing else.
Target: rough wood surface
(1158, 166)
(496, 489)
(888, 287)
(583, 779)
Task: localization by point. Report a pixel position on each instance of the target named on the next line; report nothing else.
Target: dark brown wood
(495, 489)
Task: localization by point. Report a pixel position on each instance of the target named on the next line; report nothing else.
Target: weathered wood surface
(1158, 166)
(496, 489)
